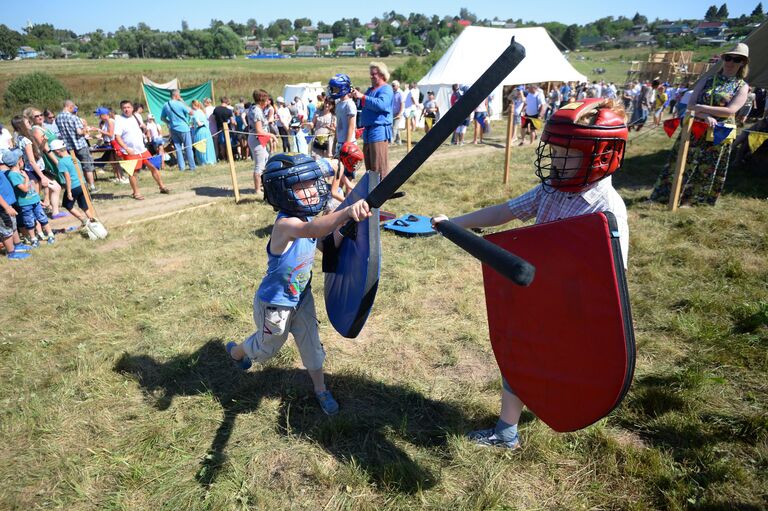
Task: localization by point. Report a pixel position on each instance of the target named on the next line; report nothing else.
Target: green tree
(339, 29)
(298, 23)
(226, 42)
(466, 15)
(571, 37)
(639, 19)
(387, 48)
(40, 89)
(758, 12)
(10, 40)
(722, 12)
(711, 14)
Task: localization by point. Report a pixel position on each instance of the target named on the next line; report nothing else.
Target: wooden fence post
(231, 163)
(83, 184)
(407, 135)
(508, 149)
(682, 156)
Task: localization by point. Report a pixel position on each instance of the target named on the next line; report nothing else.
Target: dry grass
(116, 391)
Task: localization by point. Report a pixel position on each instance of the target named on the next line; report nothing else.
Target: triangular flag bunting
(671, 125)
(756, 139)
(698, 129)
(201, 145)
(129, 166)
(720, 133)
(156, 161)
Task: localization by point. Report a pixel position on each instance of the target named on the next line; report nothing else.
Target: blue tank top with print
(288, 274)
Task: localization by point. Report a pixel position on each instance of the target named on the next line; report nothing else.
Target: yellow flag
(129, 166)
(200, 145)
(756, 139)
(537, 124)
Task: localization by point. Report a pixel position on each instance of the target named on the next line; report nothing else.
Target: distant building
(252, 46)
(26, 52)
(309, 29)
(714, 29)
(306, 51)
(345, 51)
(358, 43)
(324, 39)
(674, 28)
(117, 54)
(288, 46)
(637, 40)
(271, 50)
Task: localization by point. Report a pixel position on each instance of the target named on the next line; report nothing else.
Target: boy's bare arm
(486, 217)
(290, 228)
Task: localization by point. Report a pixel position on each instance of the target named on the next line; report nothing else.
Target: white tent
(305, 91)
(475, 50)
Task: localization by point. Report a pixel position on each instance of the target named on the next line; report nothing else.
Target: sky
(83, 16)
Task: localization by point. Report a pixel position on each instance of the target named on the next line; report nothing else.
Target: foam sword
(511, 266)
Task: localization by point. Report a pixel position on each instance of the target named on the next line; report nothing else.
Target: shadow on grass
(213, 191)
(371, 412)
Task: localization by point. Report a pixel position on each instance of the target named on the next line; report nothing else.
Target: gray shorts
(259, 154)
(7, 225)
(275, 322)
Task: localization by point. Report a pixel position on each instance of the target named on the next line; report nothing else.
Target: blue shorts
(77, 197)
(31, 213)
(480, 117)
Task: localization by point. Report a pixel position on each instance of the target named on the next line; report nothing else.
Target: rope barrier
(172, 151)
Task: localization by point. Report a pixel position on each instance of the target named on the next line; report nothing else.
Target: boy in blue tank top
(295, 185)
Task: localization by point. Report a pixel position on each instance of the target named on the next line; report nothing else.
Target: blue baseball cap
(11, 157)
(101, 110)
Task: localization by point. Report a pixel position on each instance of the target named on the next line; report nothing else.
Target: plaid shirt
(68, 125)
(548, 207)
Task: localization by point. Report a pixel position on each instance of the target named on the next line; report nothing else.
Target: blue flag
(720, 133)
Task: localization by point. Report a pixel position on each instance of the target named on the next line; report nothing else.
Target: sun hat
(280, 99)
(740, 49)
(57, 144)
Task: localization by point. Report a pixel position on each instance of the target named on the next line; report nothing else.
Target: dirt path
(116, 208)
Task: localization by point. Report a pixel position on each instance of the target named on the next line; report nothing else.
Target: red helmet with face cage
(350, 156)
(588, 127)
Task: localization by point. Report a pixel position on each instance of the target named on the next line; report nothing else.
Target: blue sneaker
(51, 239)
(35, 243)
(18, 255)
(327, 403)
(21, 247)
(244, 363)
(488, 438)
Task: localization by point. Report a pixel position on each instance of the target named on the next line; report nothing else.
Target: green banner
(157, 98)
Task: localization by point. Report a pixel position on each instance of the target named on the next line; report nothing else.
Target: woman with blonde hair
(714, 101)
(48, 189)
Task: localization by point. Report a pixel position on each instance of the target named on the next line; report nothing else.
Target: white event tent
(475, 50)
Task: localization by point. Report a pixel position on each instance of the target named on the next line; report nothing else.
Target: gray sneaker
(488, 438)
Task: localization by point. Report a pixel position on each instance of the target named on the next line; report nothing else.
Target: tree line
(416, 34)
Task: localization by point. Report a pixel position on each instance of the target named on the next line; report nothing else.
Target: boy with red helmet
(582, 145)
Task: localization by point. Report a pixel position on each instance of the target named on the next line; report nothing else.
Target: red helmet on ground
(350, 156)
(583, 142)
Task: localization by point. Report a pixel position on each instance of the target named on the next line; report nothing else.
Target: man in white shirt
(130, 138)
(535, 108)
(283, 121)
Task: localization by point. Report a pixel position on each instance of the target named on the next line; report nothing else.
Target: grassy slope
(116, 393)
(98, 82)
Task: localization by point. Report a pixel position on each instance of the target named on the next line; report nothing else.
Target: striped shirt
(548, 207)
(68, 125)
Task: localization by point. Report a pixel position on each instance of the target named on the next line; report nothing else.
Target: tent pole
(508, 149)
(682, 156)
(213, 94)
(231, 163)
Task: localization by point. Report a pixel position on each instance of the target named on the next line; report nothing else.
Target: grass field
(99, 82)
(116, 391)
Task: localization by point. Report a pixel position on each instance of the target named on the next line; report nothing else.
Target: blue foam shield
(410, 225)
(350, 288)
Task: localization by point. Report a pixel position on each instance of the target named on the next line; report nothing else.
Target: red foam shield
(565, 343)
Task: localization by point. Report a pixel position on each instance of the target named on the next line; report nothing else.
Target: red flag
(671, 125)
(698, 129)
